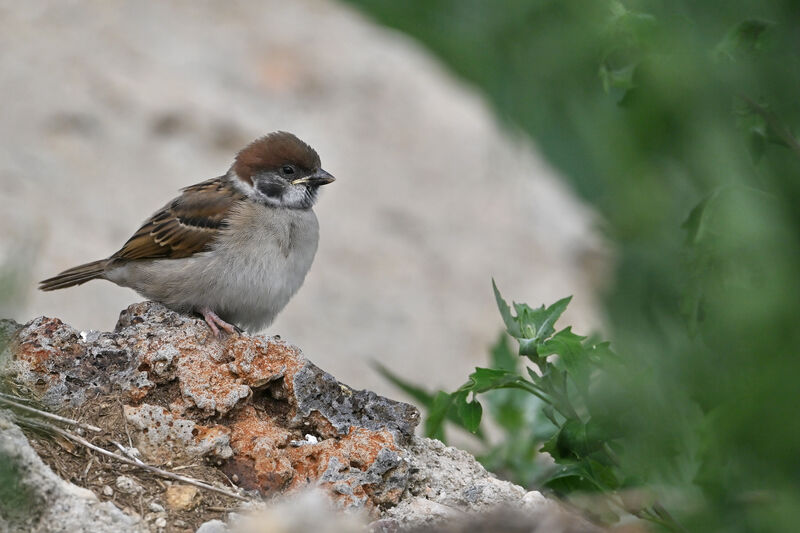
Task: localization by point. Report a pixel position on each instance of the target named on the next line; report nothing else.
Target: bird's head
(279, 170)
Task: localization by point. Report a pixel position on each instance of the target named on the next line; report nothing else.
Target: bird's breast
(266, 256)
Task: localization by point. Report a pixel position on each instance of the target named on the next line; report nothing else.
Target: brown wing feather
(185, 226)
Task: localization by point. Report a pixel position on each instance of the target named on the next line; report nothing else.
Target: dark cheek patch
(273, 190)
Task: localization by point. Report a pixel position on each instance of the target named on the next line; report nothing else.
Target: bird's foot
(213, 321)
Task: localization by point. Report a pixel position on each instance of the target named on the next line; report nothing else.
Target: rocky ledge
(247, 415)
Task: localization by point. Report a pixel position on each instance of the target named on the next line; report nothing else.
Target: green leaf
(470, 413)
(434, 425)
(747, 38)
(545, 318)
(570, 479)
(584, 476)
(423, 397)
(574, 441)
(695, 223)
(572, 354)
(505, 311)
(549, 412)
(484, 379)
(564, 343)
(534, 324)
(602, 475)
(550, 446)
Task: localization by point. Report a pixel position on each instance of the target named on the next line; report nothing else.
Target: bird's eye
(287, 169)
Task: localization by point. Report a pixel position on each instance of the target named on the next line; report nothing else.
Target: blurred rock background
(111, 106)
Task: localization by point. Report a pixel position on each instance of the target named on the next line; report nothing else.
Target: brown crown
(272, 152)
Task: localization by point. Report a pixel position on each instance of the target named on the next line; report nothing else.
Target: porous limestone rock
(251, 407)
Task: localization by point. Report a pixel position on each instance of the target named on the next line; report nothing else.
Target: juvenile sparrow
(234, 249)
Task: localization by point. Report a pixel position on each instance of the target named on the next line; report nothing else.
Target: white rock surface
(111, 107)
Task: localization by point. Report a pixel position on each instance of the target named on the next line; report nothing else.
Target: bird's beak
(319, 177)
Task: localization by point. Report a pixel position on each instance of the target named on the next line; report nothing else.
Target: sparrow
(233, 249)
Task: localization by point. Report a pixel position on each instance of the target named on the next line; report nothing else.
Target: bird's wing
(185, 226)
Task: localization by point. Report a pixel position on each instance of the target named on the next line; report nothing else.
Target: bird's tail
(75, 276)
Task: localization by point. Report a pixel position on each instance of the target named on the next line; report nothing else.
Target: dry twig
(158, 471)
(7, 399)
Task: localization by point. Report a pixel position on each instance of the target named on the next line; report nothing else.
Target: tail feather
(75, 276)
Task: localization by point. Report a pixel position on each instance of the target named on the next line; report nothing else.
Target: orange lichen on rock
(50, 343)
(259, 361)
(275, 421)
(268, 459)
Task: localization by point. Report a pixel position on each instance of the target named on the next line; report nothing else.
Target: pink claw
(213, 321)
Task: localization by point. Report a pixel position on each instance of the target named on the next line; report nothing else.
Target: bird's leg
(213, 321)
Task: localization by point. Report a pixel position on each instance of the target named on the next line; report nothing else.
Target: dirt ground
(111, 107)
(148, 496)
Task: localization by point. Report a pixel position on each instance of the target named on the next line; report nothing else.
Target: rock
(241, 399)
(33, 498)
(128, 485)
(165, 437)
(213, 526)
(251, 409)
(181, 497)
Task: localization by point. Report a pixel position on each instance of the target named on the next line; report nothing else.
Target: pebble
(128, 485)
(181, 497)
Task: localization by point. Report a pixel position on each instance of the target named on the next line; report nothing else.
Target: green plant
(543, 399)
(659, 113)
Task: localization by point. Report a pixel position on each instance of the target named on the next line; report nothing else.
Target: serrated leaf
(470, 413)
(564, 343)
(572, 354)
(484, 379)
(600, 352)
(547, 318)
(530, 326)
(505, 311)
